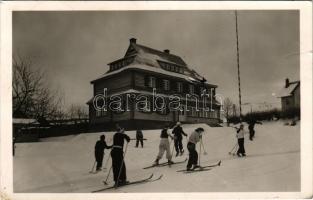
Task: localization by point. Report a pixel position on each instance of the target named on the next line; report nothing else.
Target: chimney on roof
(167, 51)
(286, 83)
(132, 40)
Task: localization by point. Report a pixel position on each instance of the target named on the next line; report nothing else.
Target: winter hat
(200, 129)
(178, 124)
(120, 130)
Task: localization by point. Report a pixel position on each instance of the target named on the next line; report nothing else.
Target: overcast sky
(74, 48)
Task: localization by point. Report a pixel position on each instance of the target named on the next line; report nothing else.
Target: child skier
(194, 138)
(117, 155)
(164, 146)
(139, 138)
(178, 138)
(241, 140)
(99, 151)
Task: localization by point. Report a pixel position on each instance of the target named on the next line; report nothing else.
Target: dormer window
(121, 63)
(171, 67)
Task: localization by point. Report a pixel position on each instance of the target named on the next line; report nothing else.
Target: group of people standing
(117, 153)
(178, 133)
(240, 136)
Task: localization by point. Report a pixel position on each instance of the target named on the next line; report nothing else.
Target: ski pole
(236, 149)
(105, 182)
(106, 163)
(122, 164)
(172, 147)
(233, 149)
(93, 167)
(204, 153)
(200, 156)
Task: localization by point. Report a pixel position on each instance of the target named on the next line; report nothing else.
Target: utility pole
(238, 67)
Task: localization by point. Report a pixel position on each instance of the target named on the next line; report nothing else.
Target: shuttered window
(179, 87)
(166, 84)
(150, 81)
(191, 89)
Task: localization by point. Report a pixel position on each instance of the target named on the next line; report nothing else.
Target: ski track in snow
(62, 164)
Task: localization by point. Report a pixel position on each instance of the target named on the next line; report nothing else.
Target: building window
(101, 113)
(152, 82)
(179, 87)
(166, 84)
(191, 89)
(146, 108)
(193, 112)
(202, 90)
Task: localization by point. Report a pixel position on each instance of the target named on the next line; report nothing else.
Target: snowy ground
(62, 164)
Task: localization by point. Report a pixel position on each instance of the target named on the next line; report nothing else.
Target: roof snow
(286, 92)
(147, 58)
(151, 69)
(24, 121)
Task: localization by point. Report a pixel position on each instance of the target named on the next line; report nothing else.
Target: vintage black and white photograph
(156, 101)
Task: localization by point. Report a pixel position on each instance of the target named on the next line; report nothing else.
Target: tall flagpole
(238, 68)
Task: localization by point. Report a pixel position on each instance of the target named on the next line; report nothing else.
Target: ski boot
(177, 153)
(195, 167)
(182, 152)
(170, 162)
(156, 162)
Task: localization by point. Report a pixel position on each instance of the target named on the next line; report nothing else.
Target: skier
(178, 132)
(241, 140)
(118, 164)
(139, 138)
(164, 146)
(194, 138)
(99, 151)
(252, 123)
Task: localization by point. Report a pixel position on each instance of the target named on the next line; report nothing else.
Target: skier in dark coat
(194, 138)
(117, 154)
(139, 138)
(252, 123)
(178, 137)
(99, 151)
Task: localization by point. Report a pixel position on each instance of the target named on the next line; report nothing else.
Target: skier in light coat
(241, 141)
(164, 146)
(194, 138)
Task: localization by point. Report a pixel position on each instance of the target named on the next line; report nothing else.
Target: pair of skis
(144, 180)
(165, 164)
(200, 168)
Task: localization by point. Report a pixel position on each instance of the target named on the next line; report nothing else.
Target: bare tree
(77, 112)
(31, 95)
(227, 107)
